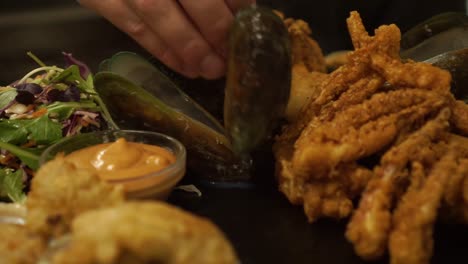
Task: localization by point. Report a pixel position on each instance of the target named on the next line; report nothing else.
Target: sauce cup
(157, 184)
(11, 213)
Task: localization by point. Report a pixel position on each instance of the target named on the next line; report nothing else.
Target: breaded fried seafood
(60, 192)
(308, 66)
(19, 246)
(387, 133)
(75, 217)
(144, 232)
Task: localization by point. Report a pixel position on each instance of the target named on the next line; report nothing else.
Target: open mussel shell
(456, 62)
(142, 73)
(139, 96)
(442, 33)
(441, 40)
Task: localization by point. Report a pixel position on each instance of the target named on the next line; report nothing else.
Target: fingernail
(212, 67)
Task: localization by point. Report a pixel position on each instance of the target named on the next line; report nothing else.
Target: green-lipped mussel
(441, 40)
(140, 96)
(258, 78)
(439, 34)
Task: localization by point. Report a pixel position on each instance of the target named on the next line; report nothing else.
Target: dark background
(48, 26)
(259, 221)
(327, 17)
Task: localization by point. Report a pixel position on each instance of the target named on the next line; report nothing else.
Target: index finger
(168, 19)
(126, 20)
(213, 18)
(236, 5)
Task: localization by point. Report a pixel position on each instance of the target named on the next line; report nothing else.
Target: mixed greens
(47, 104)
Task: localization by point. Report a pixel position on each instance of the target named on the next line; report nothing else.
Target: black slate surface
(262, 225)
(265, 228)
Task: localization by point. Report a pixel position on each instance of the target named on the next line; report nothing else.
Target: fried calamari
(388, 132)
(370, 225)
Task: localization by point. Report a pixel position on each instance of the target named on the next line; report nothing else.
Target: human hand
(189, 36)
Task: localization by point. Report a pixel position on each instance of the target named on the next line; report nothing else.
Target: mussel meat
(139, 96)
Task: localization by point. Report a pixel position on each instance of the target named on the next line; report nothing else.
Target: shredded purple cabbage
(72, 94)
(25, 97)
(53, 95)
(29, 87)
(69, 129)
(70, 60)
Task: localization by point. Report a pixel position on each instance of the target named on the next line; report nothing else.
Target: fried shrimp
(19, 246)
(60, 192)
(144, 232)
(75, 217)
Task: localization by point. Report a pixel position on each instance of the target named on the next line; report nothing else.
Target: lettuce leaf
(7, 95)
(28, 156)
(13, 132)
(85, 71)
(43, 130)
(71, 75)
(63, 110)
(11, 185)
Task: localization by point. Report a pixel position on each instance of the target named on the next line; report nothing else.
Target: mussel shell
(144, 74)
(441, 40)
(456, 62)
(439, 34)
(132, 107)
(258, 78)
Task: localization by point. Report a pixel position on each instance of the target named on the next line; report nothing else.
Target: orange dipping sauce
(122, 160)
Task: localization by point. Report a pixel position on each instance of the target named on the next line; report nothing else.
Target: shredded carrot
(30, 143)
(39, 113)
(30, 108)
(5, 159)
(29, 171)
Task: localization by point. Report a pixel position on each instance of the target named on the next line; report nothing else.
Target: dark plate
(259, 221)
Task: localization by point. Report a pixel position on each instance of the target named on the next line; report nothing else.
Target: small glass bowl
(11, 213)
(155, 187)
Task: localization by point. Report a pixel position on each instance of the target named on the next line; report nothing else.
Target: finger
(126, 20)
(213, 18)
(168, 19)
(236, 5)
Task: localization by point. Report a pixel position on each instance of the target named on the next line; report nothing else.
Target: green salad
(46, 105)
